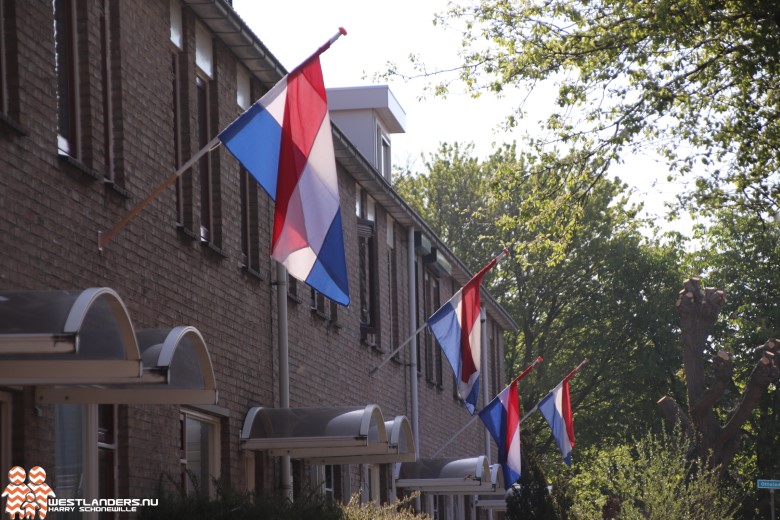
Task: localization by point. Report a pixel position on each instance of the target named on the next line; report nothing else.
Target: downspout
(413, 349)
(284, 367)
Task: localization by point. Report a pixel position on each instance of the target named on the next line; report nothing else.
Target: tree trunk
(699, 308)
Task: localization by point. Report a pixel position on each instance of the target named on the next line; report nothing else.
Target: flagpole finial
(342, 31)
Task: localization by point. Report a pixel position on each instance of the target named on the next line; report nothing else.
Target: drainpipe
(413, 349)
(284, 367)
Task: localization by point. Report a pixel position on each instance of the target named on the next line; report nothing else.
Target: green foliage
(739, 253)
(229, 504)
(696, 79)
(401, 510)
(651, 479)
(581, 281)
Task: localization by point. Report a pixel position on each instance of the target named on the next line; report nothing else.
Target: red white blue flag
(502, 419)
(456, 326)
(556, 408)
(284, 141)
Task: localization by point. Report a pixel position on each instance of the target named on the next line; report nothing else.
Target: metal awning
(400, 447)
(80, 347)
(495, 504)
(176, 370)
(348, 434)
(470, 476)
(60, 337)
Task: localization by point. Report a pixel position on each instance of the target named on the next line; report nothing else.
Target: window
(368, 280)
(292, 288)
(383, 162)
(177, 28)
(200, 446)
(243, 97)
(392, 290)
(250, 223)
(85, 453)
(365, 208)
(204, 164)
(67, 86)
(3, 60)
(107, 454)
(106, 71)
(324, 307)
(5, 429)
(433, 353)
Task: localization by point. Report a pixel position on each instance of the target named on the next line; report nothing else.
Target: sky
(382, 32)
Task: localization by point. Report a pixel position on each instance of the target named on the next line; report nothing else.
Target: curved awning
(177, 369)
(60, 337)
(80, 347)
(472, 476)
(400, 447)
(357, 433)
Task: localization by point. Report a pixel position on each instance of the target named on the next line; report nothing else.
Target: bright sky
(381, 32)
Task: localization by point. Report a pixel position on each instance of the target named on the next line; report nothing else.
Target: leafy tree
(649, 479)
(698, 79)
(738, 252)
(602, 292)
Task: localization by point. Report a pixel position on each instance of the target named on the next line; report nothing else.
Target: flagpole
(569, 376)
(474, 418)
(103, 238)
(399, 347)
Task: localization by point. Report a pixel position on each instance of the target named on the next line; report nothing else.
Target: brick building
(160, 355)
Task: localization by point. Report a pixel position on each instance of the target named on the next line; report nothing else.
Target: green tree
(602, 292)
(651, 478)
(698, 79)
(738, 253)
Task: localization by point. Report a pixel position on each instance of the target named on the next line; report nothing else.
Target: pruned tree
(718, 443)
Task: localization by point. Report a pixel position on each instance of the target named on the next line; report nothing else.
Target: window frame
(66, 49)
(214, 448)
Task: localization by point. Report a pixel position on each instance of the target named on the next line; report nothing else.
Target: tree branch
(724, 370)
(675, 415)
(765, 372)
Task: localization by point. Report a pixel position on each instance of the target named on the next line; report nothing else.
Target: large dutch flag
(502, 419)
(556, 409)
(456, 326)
(284, 141)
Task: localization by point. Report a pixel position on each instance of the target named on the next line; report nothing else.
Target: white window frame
(204, 50)
(214, 446)
(243, 91)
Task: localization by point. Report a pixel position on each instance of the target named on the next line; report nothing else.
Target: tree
(600, 292)
(738, 253)
(651, 478)
(699, 309)
(698, 79)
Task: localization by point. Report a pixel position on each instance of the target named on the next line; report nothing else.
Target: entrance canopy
(470, 476)
(340, 435)
(80, 347)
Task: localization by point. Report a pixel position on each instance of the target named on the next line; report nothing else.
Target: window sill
(11, 126)
(253, 273)
(319, 314)
(214, 248)
(186, 232)
(113, 187)
(294, 298)
(75, 166)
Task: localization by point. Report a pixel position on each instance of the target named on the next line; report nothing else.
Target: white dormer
(367, 116)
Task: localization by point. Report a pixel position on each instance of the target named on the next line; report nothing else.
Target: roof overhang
(80, 347)
(467, 476)
(177, 369)
(400, 447)
(339, 435)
